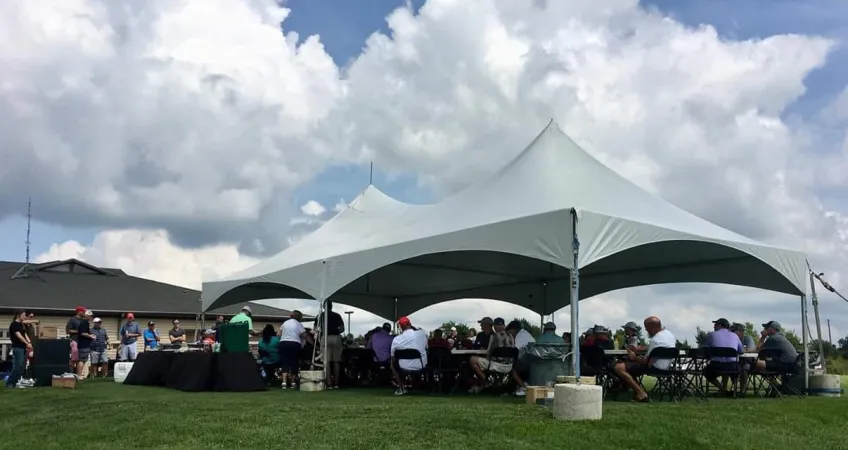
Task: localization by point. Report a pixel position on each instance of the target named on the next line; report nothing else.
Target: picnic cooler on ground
(545, 362)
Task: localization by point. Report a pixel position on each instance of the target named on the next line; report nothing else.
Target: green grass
(105, 415)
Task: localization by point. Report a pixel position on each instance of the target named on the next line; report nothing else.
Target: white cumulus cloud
(313, 208)
(200, 117)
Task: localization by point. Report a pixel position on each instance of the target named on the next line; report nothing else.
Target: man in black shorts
(773, 338)
(637, 365)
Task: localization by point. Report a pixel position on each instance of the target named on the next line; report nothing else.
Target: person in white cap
(99, 353)
(245, 316)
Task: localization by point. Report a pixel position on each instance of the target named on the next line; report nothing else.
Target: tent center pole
(325, 325)
(575, 298)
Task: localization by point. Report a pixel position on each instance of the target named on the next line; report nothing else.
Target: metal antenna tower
(26, 270)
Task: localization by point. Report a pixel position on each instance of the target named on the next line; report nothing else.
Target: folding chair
(600, 365)
(409, 354)
(769, 380)
(733, 369)
(692, 376)
(441, 368)
(498, 379)
(667, 380)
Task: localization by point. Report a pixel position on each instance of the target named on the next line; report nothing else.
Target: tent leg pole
(815, 301)
(806, 344)
(324, 332)
(575, 298)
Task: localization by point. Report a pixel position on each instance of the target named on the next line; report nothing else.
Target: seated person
(549, 335)
(636, 365)
(208, 337)
(500, 338)
(438, 341)
(603, 338)
(588, 338)
(521, 336)
(773, 338)
(748, 343)
(409, 338)
(463, 342)
(381, 343)
(631, 337)
(481, 341)
(522, 339)
(268, 351)
(566, 337)
(721, 337)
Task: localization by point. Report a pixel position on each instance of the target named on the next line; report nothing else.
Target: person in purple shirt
(724, 338)
(381, 343)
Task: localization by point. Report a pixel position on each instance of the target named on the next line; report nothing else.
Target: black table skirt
(197, 371)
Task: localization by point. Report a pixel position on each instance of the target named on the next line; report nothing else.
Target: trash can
(546, 362)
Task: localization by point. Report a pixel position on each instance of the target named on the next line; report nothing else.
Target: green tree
(828, 349)
(793, 338)
(683, 345)
(700, 337)
(843, 343)
(525, 324)
(461, 327)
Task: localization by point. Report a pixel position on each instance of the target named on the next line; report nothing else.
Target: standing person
(151, 336)
(85, 338)
(292, 338)
(218, 322)
(71, 331)
(99, 353)
(20, 347)
(31, 328)
(130, 333)
(177, 334)
(245, 316)
(333, 358)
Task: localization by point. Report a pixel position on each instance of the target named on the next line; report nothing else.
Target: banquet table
(468, 352)
(747, 355)
(197, 371)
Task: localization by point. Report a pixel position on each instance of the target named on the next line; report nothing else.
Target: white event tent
(515, 237)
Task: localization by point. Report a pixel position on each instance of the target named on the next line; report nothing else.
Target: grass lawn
(105, 415)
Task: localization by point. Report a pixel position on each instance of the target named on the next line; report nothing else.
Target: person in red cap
(71, 330)
(408, 339)
(130, 333)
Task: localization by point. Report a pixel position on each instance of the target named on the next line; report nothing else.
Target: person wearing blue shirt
(549, 336)
(151, 336)
(129, 333)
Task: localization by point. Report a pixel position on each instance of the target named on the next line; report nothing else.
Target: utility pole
(829, 337)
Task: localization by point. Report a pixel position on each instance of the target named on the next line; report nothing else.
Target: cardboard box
(67, 383)
(567, 379)
(48, 332)
(536, 393)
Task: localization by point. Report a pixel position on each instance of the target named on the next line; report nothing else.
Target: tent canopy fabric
(509, 237)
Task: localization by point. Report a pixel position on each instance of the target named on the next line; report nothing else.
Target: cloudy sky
(183, 140)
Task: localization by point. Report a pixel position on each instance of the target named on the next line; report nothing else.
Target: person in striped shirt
(99, 350)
